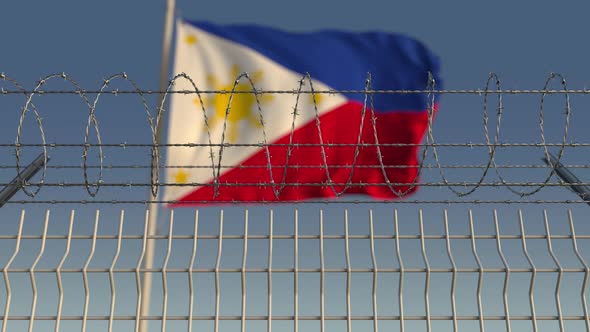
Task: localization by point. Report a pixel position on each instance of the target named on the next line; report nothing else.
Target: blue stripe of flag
(342, 60)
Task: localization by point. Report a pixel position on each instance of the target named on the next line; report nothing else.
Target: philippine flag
(285, 145)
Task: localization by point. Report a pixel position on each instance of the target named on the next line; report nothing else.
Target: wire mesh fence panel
(286, 270)
(492, 240)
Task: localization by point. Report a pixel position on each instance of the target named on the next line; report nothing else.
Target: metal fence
(492, 240)
(322, 273)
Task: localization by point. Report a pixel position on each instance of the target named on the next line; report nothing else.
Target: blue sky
(521, 41)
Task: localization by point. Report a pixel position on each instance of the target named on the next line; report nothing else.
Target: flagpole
(153, 207)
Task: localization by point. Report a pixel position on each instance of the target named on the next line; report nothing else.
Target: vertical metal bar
(85, 271)
(322, 275)
(7, 267)
(190, 273)
(401, 273)
(165, 273)
(348, 273)
(375, 270)
(559, 275)
(296, 270)
(32, 272)
(148, 264)
(137, 271)
(153, 207)
(58, 273)
(217, 265)
(534, 274)
(427, 281)
(480, 272)
(507, 275)
(586, 269)
(243, 272)
(112, 274)
(454, 275)
(269, 277)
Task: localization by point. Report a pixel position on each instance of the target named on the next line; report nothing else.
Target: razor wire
(430, 146)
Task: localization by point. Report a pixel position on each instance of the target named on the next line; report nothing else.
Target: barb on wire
(279, 181)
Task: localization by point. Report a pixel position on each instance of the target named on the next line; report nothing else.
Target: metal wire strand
(58, 273)
(427, 279)
(279, 181)
(296, 270)
(85, 272)
(191, 303)
(165, 273)
(559, 274)
(5, 272)
(217, 271)
(375, 271)
(243, 272)
(348, 273)
(269, 276)
(533, 274)
(112, 274)
(586, 269)
(358, 318)
(507, 275)
(295, 91)
(32, 272)
(138, 274)
(480, 274)
(454, 273)
(306, 237)
(322, 276)
(305, 202)
(401, 273)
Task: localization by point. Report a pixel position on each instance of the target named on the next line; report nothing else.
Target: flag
(294, 144)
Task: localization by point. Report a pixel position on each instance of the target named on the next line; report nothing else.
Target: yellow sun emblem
(243, 105)
(181, 177)
(190, 39)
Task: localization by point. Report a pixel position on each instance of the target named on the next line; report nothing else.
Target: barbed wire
(492, 142)
(262, 184)
(426, 166)
(302, 202)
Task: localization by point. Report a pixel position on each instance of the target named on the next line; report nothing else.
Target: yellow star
(181, 177)
(190, 39)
